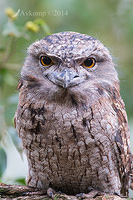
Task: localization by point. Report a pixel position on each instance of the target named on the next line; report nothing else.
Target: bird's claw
(51, 192)
(91, 194)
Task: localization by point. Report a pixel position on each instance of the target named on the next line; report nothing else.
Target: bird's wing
(122, 148)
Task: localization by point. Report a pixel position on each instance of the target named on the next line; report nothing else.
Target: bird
(71, 117)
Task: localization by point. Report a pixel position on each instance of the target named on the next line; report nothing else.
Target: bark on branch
(18, 192)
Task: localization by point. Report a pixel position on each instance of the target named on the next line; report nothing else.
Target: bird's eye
(89, 62)
(46, 61)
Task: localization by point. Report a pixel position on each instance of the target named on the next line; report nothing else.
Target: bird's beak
(65, 79)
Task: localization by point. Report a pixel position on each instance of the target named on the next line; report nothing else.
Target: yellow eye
(89, 62)
(46, 61)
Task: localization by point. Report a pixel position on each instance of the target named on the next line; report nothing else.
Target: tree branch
(18, 192)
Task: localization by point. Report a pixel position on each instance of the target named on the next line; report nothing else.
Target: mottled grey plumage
(71, 118)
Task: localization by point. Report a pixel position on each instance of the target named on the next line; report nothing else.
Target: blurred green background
(109, 21)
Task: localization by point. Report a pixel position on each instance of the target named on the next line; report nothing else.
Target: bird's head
(68, 61)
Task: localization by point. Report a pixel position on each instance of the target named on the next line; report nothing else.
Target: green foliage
(3, 161)
(20, 181)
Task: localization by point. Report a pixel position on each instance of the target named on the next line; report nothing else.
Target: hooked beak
(67, 78)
